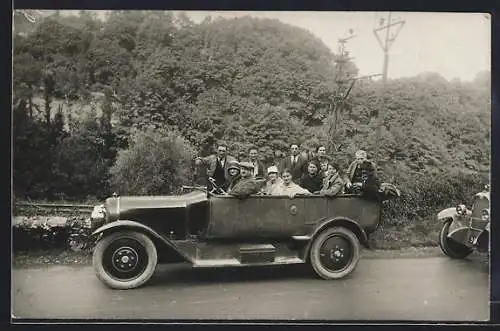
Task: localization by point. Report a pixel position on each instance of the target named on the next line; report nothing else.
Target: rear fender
(340, 222)
(159, 240)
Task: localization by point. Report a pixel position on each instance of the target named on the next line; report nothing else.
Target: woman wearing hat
(274, 181)
(234, 174)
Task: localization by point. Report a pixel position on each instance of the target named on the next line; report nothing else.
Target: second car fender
(446, 214)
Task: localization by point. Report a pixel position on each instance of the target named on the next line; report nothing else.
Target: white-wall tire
(125, 259)
(335, 253)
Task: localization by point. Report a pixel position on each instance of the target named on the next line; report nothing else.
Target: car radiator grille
(477, 223)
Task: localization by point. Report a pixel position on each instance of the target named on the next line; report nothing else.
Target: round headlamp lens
(461, 210)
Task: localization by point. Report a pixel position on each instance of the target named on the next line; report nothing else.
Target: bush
(156, 162)
(411, 219)
(422, 196)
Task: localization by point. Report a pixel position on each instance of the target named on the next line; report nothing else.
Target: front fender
(459, 235)
(447, 213)
(339, 221)
(458, 221)
(132, 225)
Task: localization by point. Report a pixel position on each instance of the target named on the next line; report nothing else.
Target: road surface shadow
(477, 261)
(185, 274)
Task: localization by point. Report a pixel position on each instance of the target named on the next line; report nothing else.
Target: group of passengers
(291, 175)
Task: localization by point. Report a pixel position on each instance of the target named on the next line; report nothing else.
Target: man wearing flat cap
(247, 185)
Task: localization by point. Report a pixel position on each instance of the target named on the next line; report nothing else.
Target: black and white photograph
(250, 165)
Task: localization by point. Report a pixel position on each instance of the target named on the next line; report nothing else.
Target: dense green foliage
(154, 163)
(124, 104)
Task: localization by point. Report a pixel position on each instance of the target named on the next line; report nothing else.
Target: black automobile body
(210, 230)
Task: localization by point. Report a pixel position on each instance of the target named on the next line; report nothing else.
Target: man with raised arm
(217, 165)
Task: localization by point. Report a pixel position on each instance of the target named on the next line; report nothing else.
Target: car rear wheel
(335, 253)
(449, 246)
(125, 260)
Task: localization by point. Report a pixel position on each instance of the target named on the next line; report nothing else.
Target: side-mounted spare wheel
(335, 253)
(449, 246)
(125, 259)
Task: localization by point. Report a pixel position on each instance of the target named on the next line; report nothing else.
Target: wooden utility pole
(341, 80)
(385, 45)
(345, 85)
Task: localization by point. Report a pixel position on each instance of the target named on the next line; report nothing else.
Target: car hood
(117, 205)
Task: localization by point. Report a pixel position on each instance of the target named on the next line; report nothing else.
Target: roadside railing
(55, 207)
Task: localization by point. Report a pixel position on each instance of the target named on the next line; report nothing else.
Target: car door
(255, 217)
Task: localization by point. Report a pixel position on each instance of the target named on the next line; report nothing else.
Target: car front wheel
(450, 247)
(335, 253)
(125, 260)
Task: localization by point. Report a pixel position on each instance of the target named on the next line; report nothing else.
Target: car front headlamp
(485, 215)
(461, 210)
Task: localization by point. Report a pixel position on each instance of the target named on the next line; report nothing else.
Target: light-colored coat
(273, 188)
(291, 189)
(332, 185)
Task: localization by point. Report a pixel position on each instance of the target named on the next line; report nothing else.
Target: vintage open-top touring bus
(211, 230)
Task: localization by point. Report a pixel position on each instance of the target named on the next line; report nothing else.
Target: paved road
(435, 288)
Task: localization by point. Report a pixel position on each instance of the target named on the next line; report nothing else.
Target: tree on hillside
(80, 165)
(244, 81)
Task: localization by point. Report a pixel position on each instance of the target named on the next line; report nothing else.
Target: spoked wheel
(125, 260)
(450, 247)
(335, 253)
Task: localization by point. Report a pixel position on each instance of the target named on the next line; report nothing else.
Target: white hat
(272, 169)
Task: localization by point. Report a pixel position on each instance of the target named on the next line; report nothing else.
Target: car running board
(237, 263)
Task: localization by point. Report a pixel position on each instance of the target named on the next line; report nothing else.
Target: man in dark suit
(260, 170)
(295, 162)
(217, 165)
